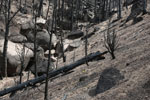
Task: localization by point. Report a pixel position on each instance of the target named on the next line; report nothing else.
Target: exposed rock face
(74, 44)
(14, 55)
(42, 38)
(42, 35)
(68, 45)
(15, 36)
(137, 9)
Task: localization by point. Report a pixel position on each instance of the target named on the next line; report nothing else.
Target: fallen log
(94, 56)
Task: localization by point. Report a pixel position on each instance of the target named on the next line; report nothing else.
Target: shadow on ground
(108, 79)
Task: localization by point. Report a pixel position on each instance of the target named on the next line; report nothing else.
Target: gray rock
(42, 38)
(27, 25)
(14, 55)
(18, 38)
(15, 36)
(68, 45)
(42, 64)
(75, 43)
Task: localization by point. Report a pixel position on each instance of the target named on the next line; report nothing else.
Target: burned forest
(74, 49)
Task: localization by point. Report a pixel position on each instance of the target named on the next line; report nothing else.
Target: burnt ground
(125, 78)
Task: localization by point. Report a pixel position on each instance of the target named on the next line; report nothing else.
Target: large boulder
(42, 35)
(68, 45)
(42, 64)
(29, 25)
(15, 36)
(14, 33)
(136, 10)
(22, 19)
(42, 38)
(14, 56)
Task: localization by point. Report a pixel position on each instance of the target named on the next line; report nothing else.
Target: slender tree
(7, 16)
(40, 8)
(35, 35)
(48, 10)
(119, 9)
(49, 56)
(62, 18)
(1, 5)
(144, 6)
(103, 9)
(72, 15)
(95, 10)
(20, 3)
(86, 44)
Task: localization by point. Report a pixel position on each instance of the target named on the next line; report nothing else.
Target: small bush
(111, 42)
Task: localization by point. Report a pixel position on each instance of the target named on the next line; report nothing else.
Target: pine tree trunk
(40, 8)
(144, 6)
(6, 37)
(49, 56)
(119, 9)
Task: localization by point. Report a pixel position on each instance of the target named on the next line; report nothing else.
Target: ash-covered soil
(128, 74)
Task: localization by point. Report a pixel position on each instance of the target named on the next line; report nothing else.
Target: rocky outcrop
(42, 35)
(14, 57)
(68, 45)
(42, 64)
(15, 36)
(136, 9)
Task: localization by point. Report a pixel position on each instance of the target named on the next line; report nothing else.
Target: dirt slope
(132, 60)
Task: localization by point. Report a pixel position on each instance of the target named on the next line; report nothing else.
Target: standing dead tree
(50, 31)
(119, 9)
(1, 5)
(8, 19)
(40, 8)
(35, 36)
(111, 41)
(86, 44)
(144, 6)
(62, 18)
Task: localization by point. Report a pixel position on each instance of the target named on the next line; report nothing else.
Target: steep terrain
(125, 78)
(132, 61)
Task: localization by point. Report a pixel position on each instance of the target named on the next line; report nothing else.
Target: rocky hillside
(127, 77)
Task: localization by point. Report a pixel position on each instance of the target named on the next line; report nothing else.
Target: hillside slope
(132, 61)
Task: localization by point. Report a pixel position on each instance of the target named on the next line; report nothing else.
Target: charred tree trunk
(48, 10)
(35, 44)
(49, 56)
(1, 7)
(103, 10)
(86, 45)
(144, 6)
(119, 9)
(61, 35)
(6, 36)
(95, 11)
(40, 8)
